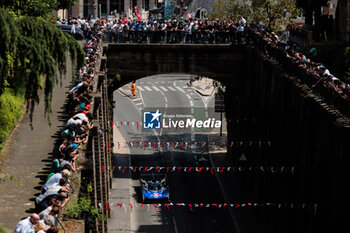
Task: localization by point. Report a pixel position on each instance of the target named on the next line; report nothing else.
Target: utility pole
(108, 8)
(95, 8)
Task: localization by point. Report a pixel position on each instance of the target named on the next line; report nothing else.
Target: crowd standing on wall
(55, 192)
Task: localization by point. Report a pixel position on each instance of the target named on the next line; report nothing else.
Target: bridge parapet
(133, 61)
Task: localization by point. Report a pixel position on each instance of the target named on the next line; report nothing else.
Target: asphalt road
(171, 94)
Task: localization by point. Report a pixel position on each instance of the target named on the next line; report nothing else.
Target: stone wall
(305, 133)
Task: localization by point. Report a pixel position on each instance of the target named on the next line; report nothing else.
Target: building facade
(103, 8)
(343, 20)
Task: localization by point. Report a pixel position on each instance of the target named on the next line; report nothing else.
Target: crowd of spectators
(55, 192)
(302, 64)
(314, 74)
(175, 31)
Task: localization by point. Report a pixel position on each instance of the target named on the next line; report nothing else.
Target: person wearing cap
(27, 225)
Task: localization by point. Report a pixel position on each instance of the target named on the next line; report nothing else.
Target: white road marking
(166, 105)
(147, 88)
(175, 226)
(180, 89)
(163, 88)
(155, 88)
(171, 88)
(138, 103)
(140, 88)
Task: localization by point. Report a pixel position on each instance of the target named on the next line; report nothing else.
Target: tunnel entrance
(284, 143)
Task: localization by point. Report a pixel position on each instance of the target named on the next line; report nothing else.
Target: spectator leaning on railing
(55, 192)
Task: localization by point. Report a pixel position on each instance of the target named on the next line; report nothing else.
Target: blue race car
(153, 187)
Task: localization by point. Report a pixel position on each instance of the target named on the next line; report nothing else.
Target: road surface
(170, 93)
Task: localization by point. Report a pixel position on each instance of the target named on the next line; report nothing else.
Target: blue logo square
(152, 120)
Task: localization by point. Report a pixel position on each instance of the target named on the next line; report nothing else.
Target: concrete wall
(305, 133)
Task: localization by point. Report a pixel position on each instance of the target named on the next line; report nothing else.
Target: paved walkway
(29, 156)
(203, 86)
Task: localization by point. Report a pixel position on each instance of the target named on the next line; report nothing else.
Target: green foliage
(3, 230)
(80, 208)
(10, 111)
(38, 8)
(32, 48)
(89, 188)
(231, 9)
(278, 14)
(6, 176)
(273, 14)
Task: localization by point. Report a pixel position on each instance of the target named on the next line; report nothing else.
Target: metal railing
(101, 157)
(193, 37)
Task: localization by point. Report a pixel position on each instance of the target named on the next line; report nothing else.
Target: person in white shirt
(243, 20)
(27, 225)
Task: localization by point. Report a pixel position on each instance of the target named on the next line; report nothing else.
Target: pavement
(29, 155)
(169, 93)
(126, 90)
(204, 86)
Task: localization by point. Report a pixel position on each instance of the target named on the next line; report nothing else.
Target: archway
(278, 112)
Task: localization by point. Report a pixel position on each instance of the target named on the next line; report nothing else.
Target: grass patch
(11, 106)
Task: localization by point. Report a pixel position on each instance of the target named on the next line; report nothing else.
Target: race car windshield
(155, 187)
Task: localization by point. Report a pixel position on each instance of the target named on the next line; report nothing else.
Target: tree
(32, 48)
(231, 9)
(39, 8)
(275, 14)
(278, 14)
